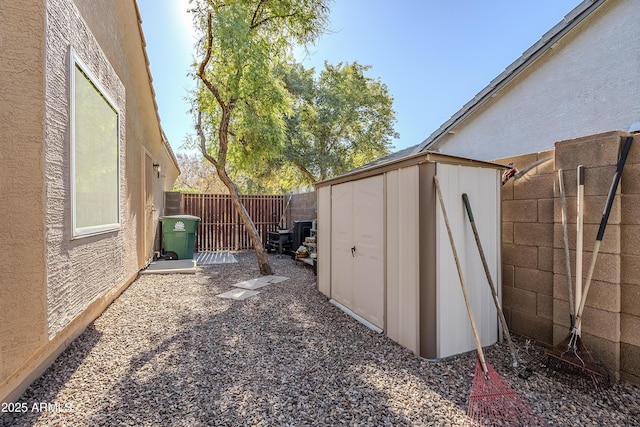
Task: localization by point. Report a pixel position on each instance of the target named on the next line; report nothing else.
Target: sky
(433, 55)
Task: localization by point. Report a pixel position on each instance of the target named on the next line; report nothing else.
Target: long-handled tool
(567, 259)
(572, 351)
(579, 234)
(491, 400)
(516, 365)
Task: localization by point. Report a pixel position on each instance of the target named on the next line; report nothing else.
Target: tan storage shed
(384, 254)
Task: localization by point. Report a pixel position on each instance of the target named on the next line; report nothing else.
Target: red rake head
(493, 403)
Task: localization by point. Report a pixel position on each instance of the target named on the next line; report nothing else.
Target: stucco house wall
(56, 283)
(584, 83)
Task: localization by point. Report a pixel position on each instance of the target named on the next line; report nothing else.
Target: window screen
(95, 153)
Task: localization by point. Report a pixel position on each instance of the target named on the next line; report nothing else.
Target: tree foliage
(340, 120)
(241, 103)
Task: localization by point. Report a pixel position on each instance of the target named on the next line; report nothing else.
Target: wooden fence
(220, 227)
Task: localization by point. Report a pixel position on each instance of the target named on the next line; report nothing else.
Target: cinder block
(604, 295)
(548, 166)
(607, 352)
(630, 362)
(519, 299)
(607, 267)
(560, 287)
(572, 213)
(630, 269)
(629, 378)
(634, 153)
(507, 232)
(592, 150)
(545, 210)
(534, 187)
(630, 237)
(601, 323)
(559, 265)
(519, 210)
(532, 326)
(561, 314)
(534, 280)
(519, 162)
(560, 332)
(508, 275)
(594, 207)
(533, 234)
(507, 316)
(630, 181)
(630, 209)
(597, 180)
(630, 329)
(520, 256)
(630, 299)
(545, 259)
(507, 191)
(544, 307)
(610, 243)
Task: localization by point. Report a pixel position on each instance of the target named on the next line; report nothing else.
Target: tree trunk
(220, 165)
(263, 262)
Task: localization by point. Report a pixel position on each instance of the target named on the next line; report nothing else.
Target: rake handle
(476, 337)
(485, 265)
(567, 257)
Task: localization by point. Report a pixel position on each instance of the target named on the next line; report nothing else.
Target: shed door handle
(353, 251)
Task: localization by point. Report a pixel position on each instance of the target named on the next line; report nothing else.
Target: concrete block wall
(535, 295)
(302, 207)
(527, 247)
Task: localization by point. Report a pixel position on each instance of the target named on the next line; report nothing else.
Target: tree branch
(308, 175)
(207, 58)
(203, 142)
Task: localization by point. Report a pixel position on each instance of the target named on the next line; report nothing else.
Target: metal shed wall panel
(324, 239)
(357, 247)
(403, 257)
(454, 334)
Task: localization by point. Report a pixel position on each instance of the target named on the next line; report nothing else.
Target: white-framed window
(95, 154)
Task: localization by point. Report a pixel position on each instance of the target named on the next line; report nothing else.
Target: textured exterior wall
(22, 270)
(51, 285)
(586, 84)
(80, 270)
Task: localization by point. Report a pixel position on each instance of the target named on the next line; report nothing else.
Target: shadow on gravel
(283, 357)
(36, 399)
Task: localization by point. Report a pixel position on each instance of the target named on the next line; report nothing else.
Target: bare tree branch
(205, 61)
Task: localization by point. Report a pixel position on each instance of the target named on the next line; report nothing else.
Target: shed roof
(551, 37)
(405, 158)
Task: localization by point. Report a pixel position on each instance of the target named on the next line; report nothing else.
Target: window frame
(77, 65)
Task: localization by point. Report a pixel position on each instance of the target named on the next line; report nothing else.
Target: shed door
(357, 264)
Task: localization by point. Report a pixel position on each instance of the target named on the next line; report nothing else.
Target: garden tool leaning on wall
(571, 353)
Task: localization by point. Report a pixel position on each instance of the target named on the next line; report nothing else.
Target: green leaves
(265, 119)
(342, 119)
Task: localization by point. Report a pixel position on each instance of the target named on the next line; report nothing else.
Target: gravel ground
(169, 352)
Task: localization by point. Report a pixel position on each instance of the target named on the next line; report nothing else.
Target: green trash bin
(179, 235)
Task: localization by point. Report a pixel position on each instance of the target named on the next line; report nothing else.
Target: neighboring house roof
(573, 18)
(166, 144)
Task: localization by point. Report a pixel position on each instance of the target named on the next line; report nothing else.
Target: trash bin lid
(188, 217)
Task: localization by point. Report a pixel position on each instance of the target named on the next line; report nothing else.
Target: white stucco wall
(588, 83)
